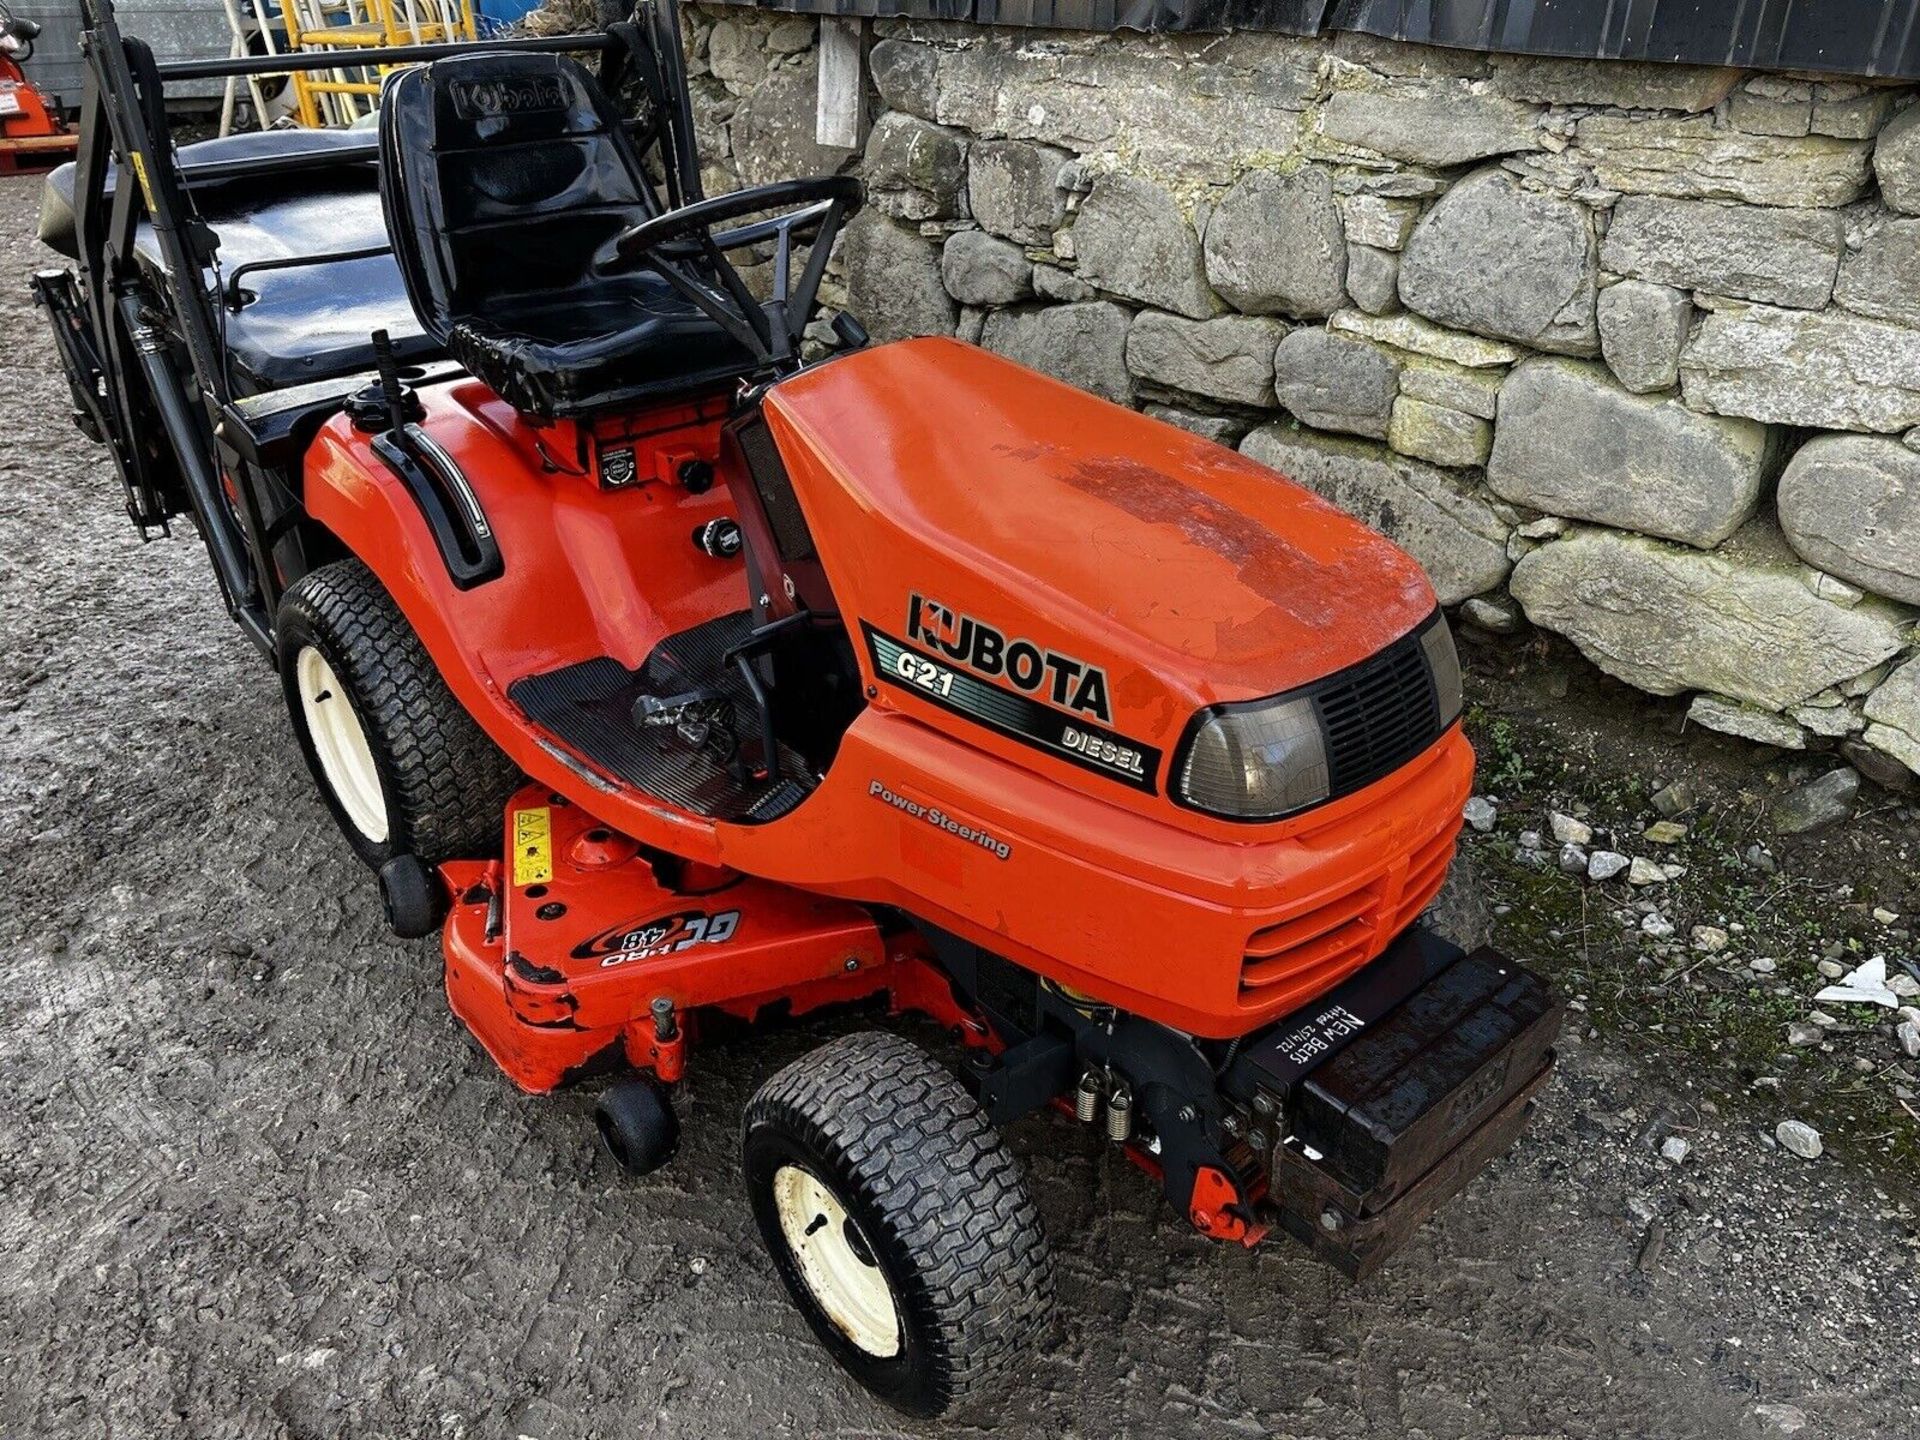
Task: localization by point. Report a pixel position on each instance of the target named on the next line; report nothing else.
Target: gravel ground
(255, 1181)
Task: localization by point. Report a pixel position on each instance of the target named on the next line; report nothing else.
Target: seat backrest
(502, 175)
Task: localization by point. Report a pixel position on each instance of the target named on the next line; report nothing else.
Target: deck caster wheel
(412, 898)
(900, 1222)
(637, 1125)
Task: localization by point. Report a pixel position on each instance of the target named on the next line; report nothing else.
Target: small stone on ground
(1674, 799)
(1799, 1137)
(1605, 864)
(1818, 804)
(1569, 831)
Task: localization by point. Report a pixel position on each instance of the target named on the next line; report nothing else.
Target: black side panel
(781, 559)
(770, 482)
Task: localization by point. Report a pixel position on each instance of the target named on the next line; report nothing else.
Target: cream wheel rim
(338, 739)
(836, 1262)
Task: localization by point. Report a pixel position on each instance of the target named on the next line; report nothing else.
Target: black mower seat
(504, 177)
(305, 322)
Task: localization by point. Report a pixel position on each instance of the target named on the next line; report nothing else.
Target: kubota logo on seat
(1070, 683)
(517, 95)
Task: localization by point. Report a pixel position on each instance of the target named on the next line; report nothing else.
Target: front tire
(900, 1222)
(402, 766)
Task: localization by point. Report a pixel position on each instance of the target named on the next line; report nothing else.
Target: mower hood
(951, 490)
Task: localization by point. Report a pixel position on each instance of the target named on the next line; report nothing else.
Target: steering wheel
(684, 248)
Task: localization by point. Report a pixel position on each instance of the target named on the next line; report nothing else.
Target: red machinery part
(1219, 1211)
(583, 944)
(1079, 882)
(32, 136)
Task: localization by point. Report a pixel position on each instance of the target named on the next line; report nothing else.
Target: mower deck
(580, 951)
(581, 946)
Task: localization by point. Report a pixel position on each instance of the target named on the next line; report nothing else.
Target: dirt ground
(256, 1182)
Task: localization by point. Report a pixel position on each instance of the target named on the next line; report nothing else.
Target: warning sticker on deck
(533, 846)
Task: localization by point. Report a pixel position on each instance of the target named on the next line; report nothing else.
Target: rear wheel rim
(836, 1262)
(340, 742)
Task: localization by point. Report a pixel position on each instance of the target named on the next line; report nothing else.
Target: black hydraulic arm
(196, 466)
(126, 106)
(662, 19)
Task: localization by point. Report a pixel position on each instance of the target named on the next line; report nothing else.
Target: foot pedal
(638, 725)
(699, 717)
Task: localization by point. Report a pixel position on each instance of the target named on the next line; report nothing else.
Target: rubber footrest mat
(588, 707)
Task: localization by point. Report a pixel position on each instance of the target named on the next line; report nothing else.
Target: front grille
(1378, 715)
(1426, 872)
(1311, 951)
(1306, 953)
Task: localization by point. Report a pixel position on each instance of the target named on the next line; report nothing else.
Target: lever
(853, 335)
(702, 717)
(389, 402)
(391, 389)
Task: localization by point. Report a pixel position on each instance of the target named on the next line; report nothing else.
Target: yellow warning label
(532, 846)
(140, 173)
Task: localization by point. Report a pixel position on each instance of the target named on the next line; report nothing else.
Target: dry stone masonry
(1635, 345)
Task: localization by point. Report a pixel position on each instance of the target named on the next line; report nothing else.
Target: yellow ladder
(343, 95)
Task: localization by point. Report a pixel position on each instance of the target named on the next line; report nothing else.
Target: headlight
(1444, 662)
(1266, 759)
(1257, 762)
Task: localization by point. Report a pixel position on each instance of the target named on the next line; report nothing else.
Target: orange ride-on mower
(671, 675)
(32, 134)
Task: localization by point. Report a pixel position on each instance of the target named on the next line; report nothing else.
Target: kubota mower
(671, 673)
(32, 134)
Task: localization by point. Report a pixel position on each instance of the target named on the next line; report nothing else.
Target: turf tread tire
(444, 781)
(944, 1191)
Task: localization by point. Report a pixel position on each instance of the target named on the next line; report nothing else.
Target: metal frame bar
(163, 384)
(223, 66)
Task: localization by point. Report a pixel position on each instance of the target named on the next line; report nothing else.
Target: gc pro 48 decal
(642, 939)
(1013, 715)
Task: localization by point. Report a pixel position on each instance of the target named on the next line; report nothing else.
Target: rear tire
(900, 1222)
(402, 766)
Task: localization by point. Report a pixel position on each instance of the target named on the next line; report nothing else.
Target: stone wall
(1632, 351)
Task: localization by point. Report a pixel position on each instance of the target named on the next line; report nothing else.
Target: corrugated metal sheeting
(177, 30)
(55, 63)
(1848, 37)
